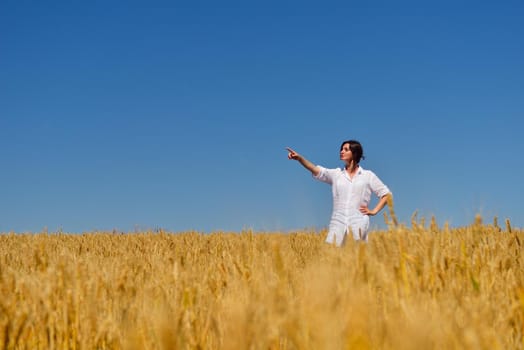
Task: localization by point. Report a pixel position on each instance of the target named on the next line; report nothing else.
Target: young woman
(352, 187)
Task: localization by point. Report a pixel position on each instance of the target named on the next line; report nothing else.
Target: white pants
(357, 226)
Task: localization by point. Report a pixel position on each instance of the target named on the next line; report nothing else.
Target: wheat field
(411, 287)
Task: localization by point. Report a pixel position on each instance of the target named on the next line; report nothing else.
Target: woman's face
(345, 153)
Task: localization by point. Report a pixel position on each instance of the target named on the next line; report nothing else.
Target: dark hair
(356, 149)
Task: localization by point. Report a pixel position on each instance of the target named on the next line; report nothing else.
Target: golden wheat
(408, 288)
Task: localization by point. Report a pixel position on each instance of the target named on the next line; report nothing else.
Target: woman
(352, 187)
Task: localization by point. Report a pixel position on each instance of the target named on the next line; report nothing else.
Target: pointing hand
(292, 154)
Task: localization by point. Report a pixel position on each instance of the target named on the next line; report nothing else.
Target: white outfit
(348, 196)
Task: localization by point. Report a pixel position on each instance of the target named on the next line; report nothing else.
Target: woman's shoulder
(331, 171)
(367, 172)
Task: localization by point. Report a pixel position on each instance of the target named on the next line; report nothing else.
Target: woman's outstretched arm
(315, 170)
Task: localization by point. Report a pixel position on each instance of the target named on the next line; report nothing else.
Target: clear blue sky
(142, 115)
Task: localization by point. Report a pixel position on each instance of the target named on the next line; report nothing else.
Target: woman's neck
(351, 168)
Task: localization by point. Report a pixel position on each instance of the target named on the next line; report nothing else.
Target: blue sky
(176, 115)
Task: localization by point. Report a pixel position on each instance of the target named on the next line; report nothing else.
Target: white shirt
(349, 194)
